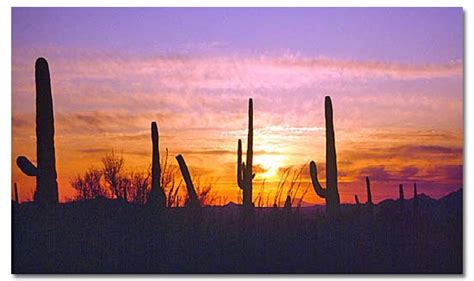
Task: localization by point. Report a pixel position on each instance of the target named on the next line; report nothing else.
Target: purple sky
(407, 35)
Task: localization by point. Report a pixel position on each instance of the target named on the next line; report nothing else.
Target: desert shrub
(88, 186)
(112, 169)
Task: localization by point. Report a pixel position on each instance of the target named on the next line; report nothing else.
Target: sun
(270, 164)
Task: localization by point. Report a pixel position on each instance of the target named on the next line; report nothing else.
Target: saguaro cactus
(193, 200)
(330, 193)
(370, 204)
(369, 192)
(157, 194)
(244, 170)
(401, 198)
(45, 171)
(415, 200)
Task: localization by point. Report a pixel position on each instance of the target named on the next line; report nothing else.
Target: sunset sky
(395, 77)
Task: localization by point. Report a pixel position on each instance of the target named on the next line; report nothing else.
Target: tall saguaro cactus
(369, 192)
(193, 200)
(244, 170)
(157, 194)
(330, 193)
(45, 171)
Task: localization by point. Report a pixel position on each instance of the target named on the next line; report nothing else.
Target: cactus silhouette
(369, 192)
(369, 204)
(45, 171)
(401, 198)
(356, 198)
(244, 170)
(193, 200)
(330, 193)
(157, 195)
(287, 205)
(17, 199)
(415, 200)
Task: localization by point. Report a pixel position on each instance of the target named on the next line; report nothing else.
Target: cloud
(208, 152)
(451, 173)
(229, 72)
(428, 149)
(259, 169)
(404, 152)
(380, 173)
(439, 174)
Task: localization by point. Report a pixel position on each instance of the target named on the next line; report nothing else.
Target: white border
(5, 112)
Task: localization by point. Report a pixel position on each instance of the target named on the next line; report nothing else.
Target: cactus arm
(240, 180)
(17, 199)
(193, 199)
(26, 166)
(357, 199)
(314, 178)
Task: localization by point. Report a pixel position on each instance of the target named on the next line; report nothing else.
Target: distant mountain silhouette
(453, 202)
(232, 205)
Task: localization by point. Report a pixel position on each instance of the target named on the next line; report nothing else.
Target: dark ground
(104, 236)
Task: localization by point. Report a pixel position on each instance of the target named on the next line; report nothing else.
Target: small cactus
(287, 205)
(401, 198)
(244, 170)
(193, 200)
(330, 193)
(157, 195)
(45, 172)
(17, 199)
(369, 204)
(415, 201)
(369, 192)
(356, 198)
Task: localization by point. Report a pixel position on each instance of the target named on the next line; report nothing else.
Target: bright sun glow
(270, 163)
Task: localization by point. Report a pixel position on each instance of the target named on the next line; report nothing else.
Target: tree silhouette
(89, 185)
(112, 168)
